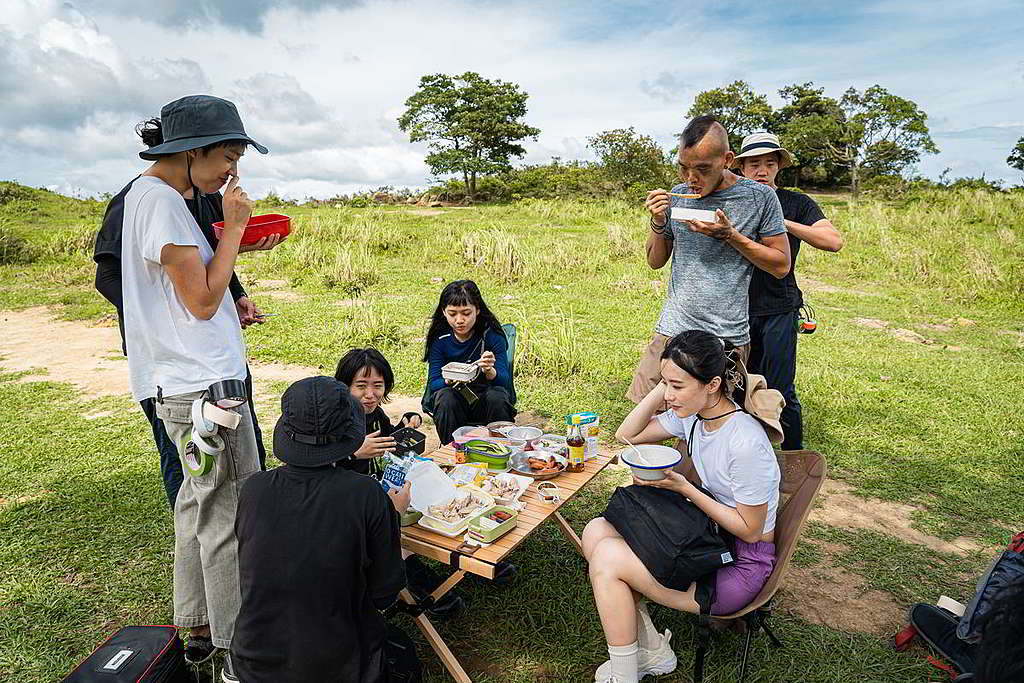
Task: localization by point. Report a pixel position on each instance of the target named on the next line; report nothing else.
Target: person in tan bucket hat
(774, 304)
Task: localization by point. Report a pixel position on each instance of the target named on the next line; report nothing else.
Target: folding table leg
(569, 532)
(437, 643)
(448, 584)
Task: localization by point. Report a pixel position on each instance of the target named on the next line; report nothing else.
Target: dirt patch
(873, 323)
(89, 358)
(935, 327)
(425, 212)
(910, 336)
(833, 597)
(812, 285)
(270, 284)
(281, 294)
(841, 508)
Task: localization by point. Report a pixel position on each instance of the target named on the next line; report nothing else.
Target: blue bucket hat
(195, 121)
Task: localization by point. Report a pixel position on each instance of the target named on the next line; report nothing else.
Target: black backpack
(136, 654)
(675, 539)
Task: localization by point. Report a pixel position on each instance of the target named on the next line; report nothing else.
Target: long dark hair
(703, 356)
(358, 360)
(460, 293)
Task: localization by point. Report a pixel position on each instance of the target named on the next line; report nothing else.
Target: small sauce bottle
(577, 446)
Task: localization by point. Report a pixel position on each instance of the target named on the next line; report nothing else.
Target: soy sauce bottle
(577, 446)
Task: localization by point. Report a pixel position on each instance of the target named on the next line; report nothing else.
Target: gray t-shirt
(710, 279)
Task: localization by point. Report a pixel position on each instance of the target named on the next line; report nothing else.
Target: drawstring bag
(675, 539)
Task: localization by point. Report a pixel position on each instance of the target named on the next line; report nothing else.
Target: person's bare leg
(596, 531)
(613, 596)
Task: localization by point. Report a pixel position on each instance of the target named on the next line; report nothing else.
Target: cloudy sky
(321, 82)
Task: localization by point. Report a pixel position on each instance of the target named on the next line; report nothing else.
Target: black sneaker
(199, 649)
(227, 671)
(504, 573)
(422, 581)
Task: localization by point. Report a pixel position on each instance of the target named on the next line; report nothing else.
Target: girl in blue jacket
(463, 329)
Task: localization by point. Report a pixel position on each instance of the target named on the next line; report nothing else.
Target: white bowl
(529, 434)
(661, 458)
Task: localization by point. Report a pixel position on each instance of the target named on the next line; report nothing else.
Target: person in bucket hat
(731, 452)
(183, 335)
(319, 549)
(774, 305)
(206, 207)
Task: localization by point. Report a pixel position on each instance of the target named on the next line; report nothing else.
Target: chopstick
(684, 196)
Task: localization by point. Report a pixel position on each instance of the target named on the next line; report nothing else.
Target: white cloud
(322, 83)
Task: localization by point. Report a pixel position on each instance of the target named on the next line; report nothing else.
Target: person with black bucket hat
(206, 207)
(319, 551)
(183, 339)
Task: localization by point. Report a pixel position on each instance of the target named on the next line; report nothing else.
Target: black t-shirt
(768, 294)
(319, 553)
(107, 252)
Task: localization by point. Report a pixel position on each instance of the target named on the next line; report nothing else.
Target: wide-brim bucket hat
(757, 144)
(195, 121)
(321, 423)
(762, 403)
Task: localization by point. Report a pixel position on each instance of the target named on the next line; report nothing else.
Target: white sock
(625, 667)
(647, 636)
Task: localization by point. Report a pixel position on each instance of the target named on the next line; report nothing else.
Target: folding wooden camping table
(482, 561)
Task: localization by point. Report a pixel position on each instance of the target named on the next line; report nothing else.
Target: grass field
(910, 388)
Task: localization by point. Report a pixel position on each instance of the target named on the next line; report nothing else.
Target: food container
(487, 529)
(259, 227)
(528, 434)
(464, 434)
(468, 473)
(487, 451)
(460, 372)
(457, 527)
(409, 441)
(411, 517)
(500, 428)
(521, 482)
(520, 464)
(680, 213)
(554, 443)
(660, 458)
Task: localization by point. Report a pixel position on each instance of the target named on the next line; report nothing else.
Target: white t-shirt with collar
(167, 345)
(736, 462)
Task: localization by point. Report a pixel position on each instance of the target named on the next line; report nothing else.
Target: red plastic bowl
(259, 227)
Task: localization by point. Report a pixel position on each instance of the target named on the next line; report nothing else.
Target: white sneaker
(650, 662)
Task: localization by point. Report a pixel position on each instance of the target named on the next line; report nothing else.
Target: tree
(629, 158)
(873, 133)
(738, 107)
(807, 115)
(1016, 158)
(473, 125)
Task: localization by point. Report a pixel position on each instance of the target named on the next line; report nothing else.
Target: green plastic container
(411, 517)
(487, 531)
(492, 460)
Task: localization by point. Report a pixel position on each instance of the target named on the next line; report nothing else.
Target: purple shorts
(739, 583)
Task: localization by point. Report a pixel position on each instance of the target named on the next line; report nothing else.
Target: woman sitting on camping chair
(734, 458)
(464, 330)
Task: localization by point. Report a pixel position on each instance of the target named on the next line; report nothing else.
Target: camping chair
(427, 403)
(803, 473)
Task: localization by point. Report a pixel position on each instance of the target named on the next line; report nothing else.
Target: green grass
(87, 537)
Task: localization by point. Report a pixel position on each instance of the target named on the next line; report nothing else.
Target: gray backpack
(1005, 571)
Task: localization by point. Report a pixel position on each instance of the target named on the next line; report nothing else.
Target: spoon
(640, 459)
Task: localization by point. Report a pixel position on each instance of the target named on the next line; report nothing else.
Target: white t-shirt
(168, 346)
(735, 462)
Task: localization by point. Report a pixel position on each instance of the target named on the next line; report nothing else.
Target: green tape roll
(193, 460)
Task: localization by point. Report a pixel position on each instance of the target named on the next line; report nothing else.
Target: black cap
(196, 121)
(321, 423)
